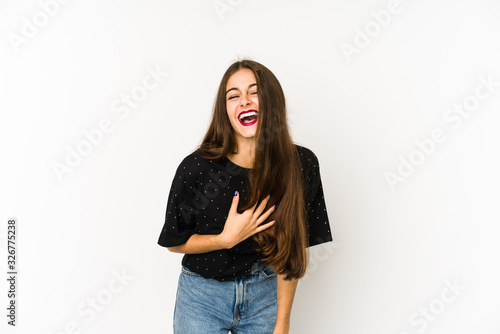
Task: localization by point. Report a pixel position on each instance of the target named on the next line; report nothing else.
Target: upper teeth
(247, 114)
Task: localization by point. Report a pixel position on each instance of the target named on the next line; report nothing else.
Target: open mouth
(248, 117)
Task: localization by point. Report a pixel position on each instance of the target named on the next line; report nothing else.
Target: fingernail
(236, 193)
(270, 193)
(275, 206)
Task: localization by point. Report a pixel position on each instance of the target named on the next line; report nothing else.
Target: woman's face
(242, 102)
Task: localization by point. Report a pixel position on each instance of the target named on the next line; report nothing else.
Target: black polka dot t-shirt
(199, 201)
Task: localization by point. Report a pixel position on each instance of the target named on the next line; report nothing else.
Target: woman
(244, 256)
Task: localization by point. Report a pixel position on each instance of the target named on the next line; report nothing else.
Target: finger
(255, 204)
(262, 205)
(266, 214)
(264, 226)
(250, 211)
(234, 204)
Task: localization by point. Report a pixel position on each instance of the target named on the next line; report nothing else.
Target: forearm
(286, 293)
(200, 243)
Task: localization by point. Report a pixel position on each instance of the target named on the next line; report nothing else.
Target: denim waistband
(256, 267)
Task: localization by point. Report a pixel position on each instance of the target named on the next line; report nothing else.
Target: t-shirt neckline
(227, 160)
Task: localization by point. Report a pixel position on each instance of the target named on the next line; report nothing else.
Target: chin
(247, 135)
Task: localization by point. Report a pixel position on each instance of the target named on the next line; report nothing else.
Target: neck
(246, 152)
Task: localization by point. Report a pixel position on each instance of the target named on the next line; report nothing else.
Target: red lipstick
(248, 113)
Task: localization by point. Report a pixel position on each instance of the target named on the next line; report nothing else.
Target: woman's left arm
(286, 292)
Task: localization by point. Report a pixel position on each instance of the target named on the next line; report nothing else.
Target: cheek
(230, 107)
(256, 101)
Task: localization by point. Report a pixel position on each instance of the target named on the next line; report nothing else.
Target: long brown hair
(276, 169)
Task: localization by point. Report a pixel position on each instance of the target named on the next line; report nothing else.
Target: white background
(395, 248)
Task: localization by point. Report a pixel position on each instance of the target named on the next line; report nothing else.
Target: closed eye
(234, 96)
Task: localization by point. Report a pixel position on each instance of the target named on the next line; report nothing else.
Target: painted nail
(275, 206)
(236, 193)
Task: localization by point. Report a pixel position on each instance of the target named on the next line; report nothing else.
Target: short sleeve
(180, 213)
(317, 214)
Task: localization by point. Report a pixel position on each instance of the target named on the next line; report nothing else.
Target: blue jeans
(245, 305)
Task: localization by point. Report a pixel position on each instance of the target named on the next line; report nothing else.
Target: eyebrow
(234, 88)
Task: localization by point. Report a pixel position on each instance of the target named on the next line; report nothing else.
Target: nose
(244, 100)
